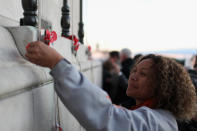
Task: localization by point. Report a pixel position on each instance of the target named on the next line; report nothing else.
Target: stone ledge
(18, 74)
(20, 77)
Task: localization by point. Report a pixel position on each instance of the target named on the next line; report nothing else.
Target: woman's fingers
(31, 55)
(31, 50)
(32, 44)
(34, 58)
(34, 48)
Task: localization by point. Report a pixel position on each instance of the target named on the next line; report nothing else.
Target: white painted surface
(44, 108)
(17, 113)
(11, 9)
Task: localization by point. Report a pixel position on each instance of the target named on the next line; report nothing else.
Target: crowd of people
(162, 89)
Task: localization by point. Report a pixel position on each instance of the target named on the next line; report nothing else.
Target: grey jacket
(95, 112)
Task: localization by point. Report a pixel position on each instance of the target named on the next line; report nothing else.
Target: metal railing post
(81, 25)
(30, 13)
(65, 20)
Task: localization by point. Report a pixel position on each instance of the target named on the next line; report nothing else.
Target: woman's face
(141, 82)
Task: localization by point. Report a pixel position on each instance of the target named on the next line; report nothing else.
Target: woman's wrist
(55, 61)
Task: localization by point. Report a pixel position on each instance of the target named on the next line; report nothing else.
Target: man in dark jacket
(193, 73)
(126, 62)
(126, 65)
(108, 70)
(114, 81)
(192, 125)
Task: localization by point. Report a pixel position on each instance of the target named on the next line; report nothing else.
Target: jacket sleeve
(90, 105)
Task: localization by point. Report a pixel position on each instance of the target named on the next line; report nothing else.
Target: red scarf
(151, 103)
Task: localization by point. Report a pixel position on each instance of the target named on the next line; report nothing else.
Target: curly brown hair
(175, 91)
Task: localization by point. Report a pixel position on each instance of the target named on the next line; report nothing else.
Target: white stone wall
(27, 98)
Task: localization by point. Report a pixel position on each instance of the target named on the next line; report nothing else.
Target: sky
(141, 25)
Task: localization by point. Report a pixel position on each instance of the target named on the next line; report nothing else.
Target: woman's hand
(43, 55)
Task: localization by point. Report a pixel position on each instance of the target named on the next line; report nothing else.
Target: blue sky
(141, 25)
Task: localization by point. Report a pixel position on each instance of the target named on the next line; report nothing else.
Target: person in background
(195, 63)
(193, 72)
(191, 125)
(137, 57)
(114, 82)
(189, 62)
(114, 56)
(126, 62)
(110, 73)
(162, 88)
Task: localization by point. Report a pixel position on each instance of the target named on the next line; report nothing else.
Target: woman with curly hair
(172, 88)
(161, 87)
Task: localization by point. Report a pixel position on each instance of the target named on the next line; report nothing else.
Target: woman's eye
(143, 74)
(133, 71)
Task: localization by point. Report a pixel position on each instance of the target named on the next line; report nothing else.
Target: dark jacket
(192, 125)
(193, 75)
(120, 95)
(126, 67)
(115, 85)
